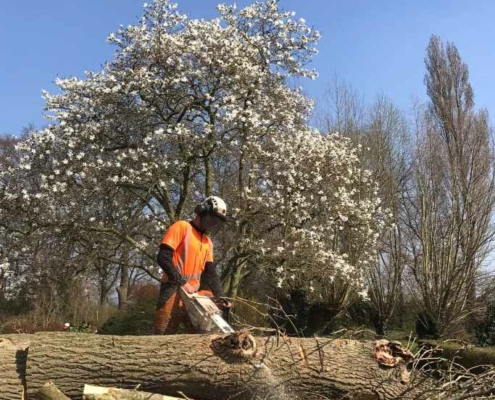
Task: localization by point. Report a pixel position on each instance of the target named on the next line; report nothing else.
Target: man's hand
(225, 303)
(189, 288)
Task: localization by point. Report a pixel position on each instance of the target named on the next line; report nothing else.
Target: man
(186, 258)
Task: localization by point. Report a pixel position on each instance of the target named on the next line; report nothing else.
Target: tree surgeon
(186, 258)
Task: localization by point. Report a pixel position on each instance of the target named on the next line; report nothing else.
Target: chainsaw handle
(222, 302)
(184, 291)
(188, 288)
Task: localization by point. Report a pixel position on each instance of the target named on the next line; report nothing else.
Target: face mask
(211, 223)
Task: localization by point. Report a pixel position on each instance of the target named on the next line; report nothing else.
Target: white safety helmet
(212, 205)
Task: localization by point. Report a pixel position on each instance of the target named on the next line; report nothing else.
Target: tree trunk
(12, 361)
(123, 289)
(380, 328)
(104, 293)
(379, 323)
(105, 283)
(235, 279)
(208, 176)
(206, 367)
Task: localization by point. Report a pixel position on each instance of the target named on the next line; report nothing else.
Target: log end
(392, 354)
(234, 347)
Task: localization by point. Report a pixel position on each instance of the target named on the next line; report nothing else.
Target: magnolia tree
(319, 225)
(190, 108)
(13, 231)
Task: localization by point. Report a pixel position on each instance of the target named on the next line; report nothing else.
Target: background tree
(342, 110)
(188, 108)
(451, 198)
(381, 133)
(386, 152)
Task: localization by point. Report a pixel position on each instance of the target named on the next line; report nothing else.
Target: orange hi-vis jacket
(192, 250)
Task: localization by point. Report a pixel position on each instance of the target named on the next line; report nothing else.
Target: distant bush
(425, 326)
(485, 330)
(468, 357)
(247, 312)
(28, 324)
(137, 317)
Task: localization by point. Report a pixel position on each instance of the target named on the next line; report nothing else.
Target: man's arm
(211, 278)
(164, 258)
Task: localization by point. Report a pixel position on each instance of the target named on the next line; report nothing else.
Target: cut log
(12, 368)
(100, 393)
(49, 391)
(205, 367)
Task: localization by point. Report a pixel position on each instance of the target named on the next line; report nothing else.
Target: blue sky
(378, 46)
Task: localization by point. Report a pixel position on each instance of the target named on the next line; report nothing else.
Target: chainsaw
(204, 314)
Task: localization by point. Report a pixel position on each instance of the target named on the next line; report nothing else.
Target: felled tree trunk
(207, 367)
(12, 365)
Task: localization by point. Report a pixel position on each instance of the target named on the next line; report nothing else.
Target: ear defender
(200, 209)
(203, 208)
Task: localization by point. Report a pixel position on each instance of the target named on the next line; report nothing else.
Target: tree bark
(12, 365)
(236, 278)
(123, 289)
(208, 367)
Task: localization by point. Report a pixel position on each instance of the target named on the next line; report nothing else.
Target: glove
(189, 288)
(222, 302)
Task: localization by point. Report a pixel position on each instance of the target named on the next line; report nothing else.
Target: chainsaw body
(204, 313)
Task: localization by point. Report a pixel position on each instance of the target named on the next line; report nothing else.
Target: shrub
(468, 357)
(250, 313)
(425, 326)
(137, 318)
(485, 330)
(26, 323)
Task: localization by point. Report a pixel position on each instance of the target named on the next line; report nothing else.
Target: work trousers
(170, 315)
